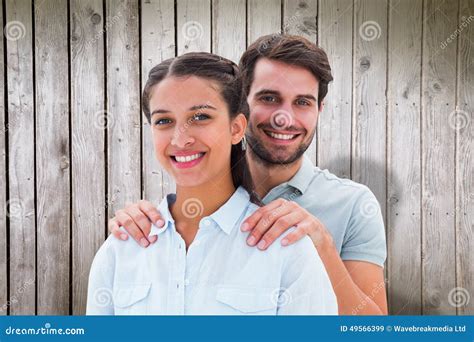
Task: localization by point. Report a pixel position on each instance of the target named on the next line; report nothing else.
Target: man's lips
(282, 135)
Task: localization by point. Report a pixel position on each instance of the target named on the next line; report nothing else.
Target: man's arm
(359, 285)
(137, 219)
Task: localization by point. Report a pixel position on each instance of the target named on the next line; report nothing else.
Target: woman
(201, 263)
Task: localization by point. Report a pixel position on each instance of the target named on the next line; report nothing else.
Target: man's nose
(282, 117)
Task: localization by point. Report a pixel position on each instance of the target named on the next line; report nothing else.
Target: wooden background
(74, 146)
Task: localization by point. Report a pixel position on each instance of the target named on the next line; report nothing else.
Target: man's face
(283, 102)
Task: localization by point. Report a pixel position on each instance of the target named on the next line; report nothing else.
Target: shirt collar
(226, 217)
(303, 176)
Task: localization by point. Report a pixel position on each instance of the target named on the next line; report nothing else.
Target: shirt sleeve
(365, 236)
(99, 293)
(306, 288)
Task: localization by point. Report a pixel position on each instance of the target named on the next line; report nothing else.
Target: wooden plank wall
(74, 146)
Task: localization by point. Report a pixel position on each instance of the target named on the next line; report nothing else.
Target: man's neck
(265, 177)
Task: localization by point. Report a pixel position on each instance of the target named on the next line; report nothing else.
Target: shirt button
(207, 222)
(196, 243)
(186, 282)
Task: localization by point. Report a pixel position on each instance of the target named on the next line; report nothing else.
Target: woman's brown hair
(226, 75)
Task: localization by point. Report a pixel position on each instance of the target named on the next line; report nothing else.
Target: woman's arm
(100, 289)
(306, 288)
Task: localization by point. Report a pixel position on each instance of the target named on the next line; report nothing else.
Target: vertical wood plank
(194, 26)
(21, 154)
(403, 159)
(464, 125)
(300, 18)
(123, 105)
(52, 157)
(158, 30)
(369, 94)
(438, 101)
(87, 142)
(334, 127)
(228, 28)
(3, 182)
(263, 17)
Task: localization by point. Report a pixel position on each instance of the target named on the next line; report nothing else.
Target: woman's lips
(185, 161)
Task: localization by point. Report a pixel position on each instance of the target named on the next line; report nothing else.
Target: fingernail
(153, 238)
(160, 223)
(261, 244)
(144, 242)
(284, 242)
(245, 227)
(123, 236)
(251, 240)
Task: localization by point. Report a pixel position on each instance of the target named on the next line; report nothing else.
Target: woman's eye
(200, 117)
(161, 122)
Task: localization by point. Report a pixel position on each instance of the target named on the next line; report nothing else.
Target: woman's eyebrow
(202, 106)
(160, 111)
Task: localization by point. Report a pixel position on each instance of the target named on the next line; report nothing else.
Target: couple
(232, 179)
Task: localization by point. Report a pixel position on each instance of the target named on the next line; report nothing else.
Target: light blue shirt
(348, 210)
(218, 275)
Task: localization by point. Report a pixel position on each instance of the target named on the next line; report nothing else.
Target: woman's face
(192, 130)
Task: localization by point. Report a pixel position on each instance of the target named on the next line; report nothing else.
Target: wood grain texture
(228, 31)
(256, 25)
(464, 125)
(369, 101)
(300, 18)
(157, 45)
(21, 156)
(3, 183)
(87, 142)
(193, 29)
(334, 127)
(123, 105)
(438, 101)
(403, 158)
(52, 157)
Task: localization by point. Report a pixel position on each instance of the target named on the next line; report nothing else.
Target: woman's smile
(186, 159)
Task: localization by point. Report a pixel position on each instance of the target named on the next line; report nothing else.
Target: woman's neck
(194, 203)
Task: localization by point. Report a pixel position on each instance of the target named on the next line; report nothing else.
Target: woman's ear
(238, 127)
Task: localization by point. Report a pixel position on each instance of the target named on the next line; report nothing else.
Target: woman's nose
(181, 137)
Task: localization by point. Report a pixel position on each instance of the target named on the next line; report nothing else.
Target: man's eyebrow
(267, 92)
(308, 96)
(202, 106)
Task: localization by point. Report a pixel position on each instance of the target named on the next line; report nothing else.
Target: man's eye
(161, 122)
(303, 102)
(268, 98)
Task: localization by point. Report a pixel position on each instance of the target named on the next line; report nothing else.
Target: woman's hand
(267, 223)
(137, 219)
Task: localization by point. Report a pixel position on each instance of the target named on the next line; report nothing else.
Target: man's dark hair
(289, 49)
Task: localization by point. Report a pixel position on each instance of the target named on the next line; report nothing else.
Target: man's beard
(266, 157)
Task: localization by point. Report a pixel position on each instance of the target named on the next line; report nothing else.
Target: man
(286, 79)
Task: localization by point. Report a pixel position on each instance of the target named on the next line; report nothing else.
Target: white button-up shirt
(218, 275)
